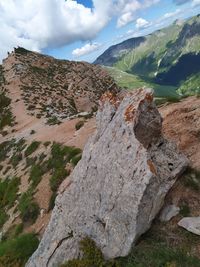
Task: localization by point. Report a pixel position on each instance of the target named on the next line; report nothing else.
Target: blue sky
(83, 29)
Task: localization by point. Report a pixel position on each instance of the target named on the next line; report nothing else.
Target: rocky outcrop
(118, 187)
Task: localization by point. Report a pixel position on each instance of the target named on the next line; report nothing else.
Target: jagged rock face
(118, 187)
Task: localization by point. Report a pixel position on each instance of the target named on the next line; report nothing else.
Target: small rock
(168, 213)
(42, 212)
(191, 224)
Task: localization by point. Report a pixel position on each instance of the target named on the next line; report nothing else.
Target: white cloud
(128, 9)
(39, 24)
(195, 3)
(86, 49)
(172, 14)
(142, 23)
(125, 19)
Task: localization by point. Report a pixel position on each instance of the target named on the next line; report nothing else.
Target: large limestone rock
(118, 187)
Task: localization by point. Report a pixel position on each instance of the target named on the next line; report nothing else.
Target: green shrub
(60, 156)
(16, 252)
(15, 159)
(8, 192)
(30, 161)
(76, 159)
(32, 148)
(13, 231)
(3, 217)
(79, 125)
(6, 117)
(5, 148)
(92, 256)
(28, 208)
(52, 201)
(20, 145)
(58, 176)
(53, 120)
(35, 175)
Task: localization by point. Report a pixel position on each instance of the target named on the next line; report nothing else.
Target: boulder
(118, 187)
(191, 224)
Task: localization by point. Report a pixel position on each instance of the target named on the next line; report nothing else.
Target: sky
(83, 29)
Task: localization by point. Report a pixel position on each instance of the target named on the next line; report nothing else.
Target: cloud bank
(86, 49)
(40, 24)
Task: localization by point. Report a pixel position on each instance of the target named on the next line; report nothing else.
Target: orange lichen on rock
(111, 97)
(129, 113)
(149, 97)
(152, 167)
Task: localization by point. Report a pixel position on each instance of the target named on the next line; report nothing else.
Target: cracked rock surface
(118, 187)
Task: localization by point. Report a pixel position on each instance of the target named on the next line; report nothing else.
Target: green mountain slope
(168, 57)
(130, 81)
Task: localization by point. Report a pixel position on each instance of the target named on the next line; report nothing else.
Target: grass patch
(92, 257)
(8, 192)
(52, 201)
(15, 159)
(28, 208)
(35, 175)
(53, 120)
(13, 232)
(158, 255)
(76, 159)
(3, 217)
(32, 148)
(5, 148)
(60, 156)
(16, 252)
(58, 176)
(6, 117)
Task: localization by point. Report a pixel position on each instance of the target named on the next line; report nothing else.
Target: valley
(167, 57)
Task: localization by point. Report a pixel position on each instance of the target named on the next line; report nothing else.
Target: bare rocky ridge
(55, 89)
(118, 187)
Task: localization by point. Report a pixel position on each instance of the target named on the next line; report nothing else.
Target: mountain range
(168, 59)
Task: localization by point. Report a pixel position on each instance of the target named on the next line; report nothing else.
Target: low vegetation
(3, 217)
(29, 209)
(13, 232)
(15, 252)
(32, 148)
(6, 117)
(8, 192)
(92, 257)
(153, 250)
(191, 179)
(79, 125)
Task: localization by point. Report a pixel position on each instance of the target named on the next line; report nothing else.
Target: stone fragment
(168, 213)
(191, 224)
